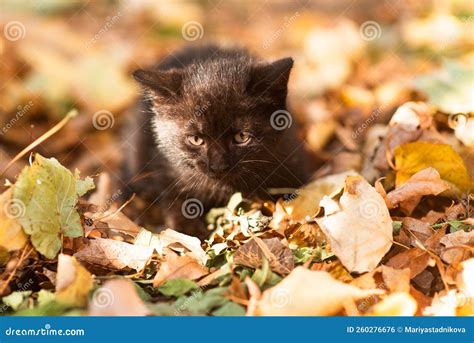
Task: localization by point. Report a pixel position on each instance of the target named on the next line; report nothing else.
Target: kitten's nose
(218, 168)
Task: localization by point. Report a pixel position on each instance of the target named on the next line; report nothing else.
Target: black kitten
(213, 122)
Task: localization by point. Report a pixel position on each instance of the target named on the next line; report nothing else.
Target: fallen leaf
(307, 201)
(359, 227)
(309, 293)
(177, 287)
(395, 304)
(114, 254)
(409, 194)
(49, 194)
(396, 280)
(415, 259)
(170, 237)
(12, 236)
(17, 300)
(117, 297)
(414, 232)
(179, 267)
(412, 158)
(456, 245)
(73, 282)
(279, 256)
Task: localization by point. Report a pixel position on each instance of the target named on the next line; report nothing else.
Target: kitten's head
(214, 118)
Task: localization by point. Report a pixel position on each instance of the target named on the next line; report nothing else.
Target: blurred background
(355, 63)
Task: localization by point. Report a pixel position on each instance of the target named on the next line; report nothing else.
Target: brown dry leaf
(117, 297)
(415, 259)
(457, 245)
(179, 267)
(114, 254)
(171, 238)
(309, 293)
(279, 256)
(73, 281)
(359, 226)
(12, 236)
(408, 195)
(395, 304)
(396, 280)
(414, 232)
(307, 202)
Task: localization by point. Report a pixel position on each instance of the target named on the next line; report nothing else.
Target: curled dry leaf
(117, 297)
(73, 281)
(457, 245)
(416, 259)
(115, 255)
(408, 195)
(279, 256)
(358, 227)
(411, 122)
(171, 238)
(179, 267)
(307, 202)
(309, 293)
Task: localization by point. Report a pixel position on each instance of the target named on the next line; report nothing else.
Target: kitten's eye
(195, 140)
(242, 138)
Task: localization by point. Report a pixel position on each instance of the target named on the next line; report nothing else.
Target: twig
(71, 114)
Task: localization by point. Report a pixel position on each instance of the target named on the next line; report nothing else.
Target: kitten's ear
(271, 77)
(166, 83)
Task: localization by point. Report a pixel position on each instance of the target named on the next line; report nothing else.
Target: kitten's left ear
(166, 83)
(271, 78)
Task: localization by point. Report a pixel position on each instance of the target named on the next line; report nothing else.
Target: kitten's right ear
(165, 83)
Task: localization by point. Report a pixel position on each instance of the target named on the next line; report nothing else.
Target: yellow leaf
(410, 158)
(73, 282)
(12, 236)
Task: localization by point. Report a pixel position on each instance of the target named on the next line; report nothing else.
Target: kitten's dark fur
(212, 93)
